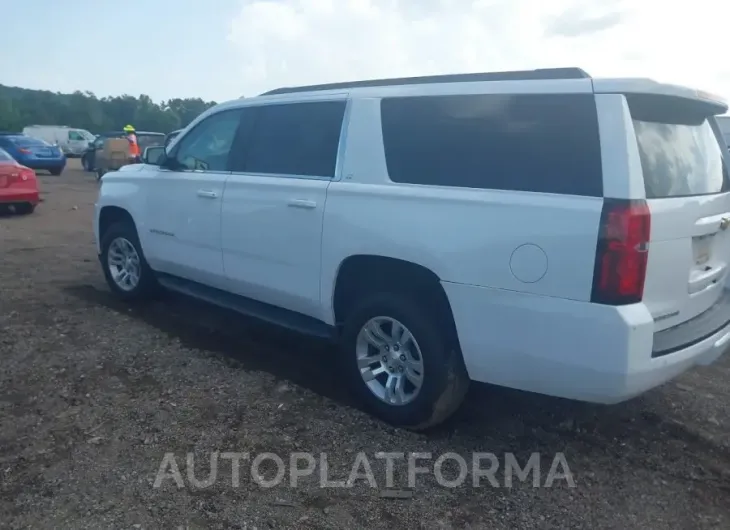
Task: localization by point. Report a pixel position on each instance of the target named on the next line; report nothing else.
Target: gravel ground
(94, 393)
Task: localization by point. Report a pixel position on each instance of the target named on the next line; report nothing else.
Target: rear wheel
(86, 163)
(401, 363)
(56, 171)
(125, 269)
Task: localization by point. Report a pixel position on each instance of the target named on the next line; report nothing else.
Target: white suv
(540, 230)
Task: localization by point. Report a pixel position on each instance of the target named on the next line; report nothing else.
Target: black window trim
(344, 97)
(174, 151)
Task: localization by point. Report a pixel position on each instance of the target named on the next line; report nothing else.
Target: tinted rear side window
(540, 143)
(681, 153)
(27, 141)
(296, 139)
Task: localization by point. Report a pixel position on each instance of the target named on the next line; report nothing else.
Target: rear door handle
(207, 194)
(302, 203)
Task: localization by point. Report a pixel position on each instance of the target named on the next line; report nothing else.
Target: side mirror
(154, 155)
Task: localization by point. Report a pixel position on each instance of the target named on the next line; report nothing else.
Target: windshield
(681, 154)
(4, 156)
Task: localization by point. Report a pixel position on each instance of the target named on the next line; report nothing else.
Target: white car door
(77, 142)
(183, 210)
(274, 202)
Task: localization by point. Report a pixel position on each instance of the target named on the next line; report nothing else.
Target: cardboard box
(115, 154)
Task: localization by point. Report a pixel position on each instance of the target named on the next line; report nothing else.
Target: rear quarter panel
(534, 243)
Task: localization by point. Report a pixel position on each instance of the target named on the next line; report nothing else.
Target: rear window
(26, 141)
(682, 153)
(541, 143)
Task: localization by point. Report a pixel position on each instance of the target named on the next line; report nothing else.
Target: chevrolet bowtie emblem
(724, 223)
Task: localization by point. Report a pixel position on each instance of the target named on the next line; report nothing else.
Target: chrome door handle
(302, 203)
(207, 194)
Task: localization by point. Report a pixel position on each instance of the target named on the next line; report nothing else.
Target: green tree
(20, 107)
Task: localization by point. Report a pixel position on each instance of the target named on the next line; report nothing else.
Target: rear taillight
(23, 174)
(622, 252)
(24, 151)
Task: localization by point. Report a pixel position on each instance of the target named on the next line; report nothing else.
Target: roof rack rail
(517, 75)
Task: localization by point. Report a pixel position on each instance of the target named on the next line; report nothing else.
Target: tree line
(20, 107)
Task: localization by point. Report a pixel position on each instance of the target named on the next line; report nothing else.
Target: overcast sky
(222, 49)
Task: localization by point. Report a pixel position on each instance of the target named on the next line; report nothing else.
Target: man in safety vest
(134, 153)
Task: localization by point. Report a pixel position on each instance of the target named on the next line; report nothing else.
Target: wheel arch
(110, 214)
(360, 274)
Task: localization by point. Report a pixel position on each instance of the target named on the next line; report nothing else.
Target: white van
(72, 141)
(542, 230)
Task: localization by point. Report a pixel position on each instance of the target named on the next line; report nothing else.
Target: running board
(248, 307)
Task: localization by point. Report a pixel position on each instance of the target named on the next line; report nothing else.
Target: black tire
(99, 174)
(56, 172)
(25, 208)
(85, 163)
(147, 285)
(445, 380)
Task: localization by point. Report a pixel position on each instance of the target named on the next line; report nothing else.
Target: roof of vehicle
(55, 127)
(122, 133)
(574, 75)
(516, 75)
(569, 80)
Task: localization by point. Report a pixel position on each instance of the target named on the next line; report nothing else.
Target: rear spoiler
(650, 87)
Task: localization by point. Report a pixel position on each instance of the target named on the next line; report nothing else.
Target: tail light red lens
(22, 174)
(27, 174)
(622, 252)
(24, 151)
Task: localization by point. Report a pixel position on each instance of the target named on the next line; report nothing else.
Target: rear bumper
(566, 348)
(45, 164)
(10, 197)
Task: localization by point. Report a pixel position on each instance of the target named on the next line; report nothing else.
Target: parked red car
(18, 185)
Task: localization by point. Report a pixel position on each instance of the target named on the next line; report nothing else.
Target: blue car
(33, 153)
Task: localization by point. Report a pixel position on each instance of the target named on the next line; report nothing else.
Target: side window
(75, 136)
(207, 146)
(296, 139)
(541, 143)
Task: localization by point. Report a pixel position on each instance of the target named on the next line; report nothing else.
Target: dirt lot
(94, 393)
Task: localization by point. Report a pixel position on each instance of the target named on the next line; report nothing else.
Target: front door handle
(207, 194)
(302, 203)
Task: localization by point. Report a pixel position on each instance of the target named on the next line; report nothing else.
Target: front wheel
(125, 269)
(85, 163)
(401, 363)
